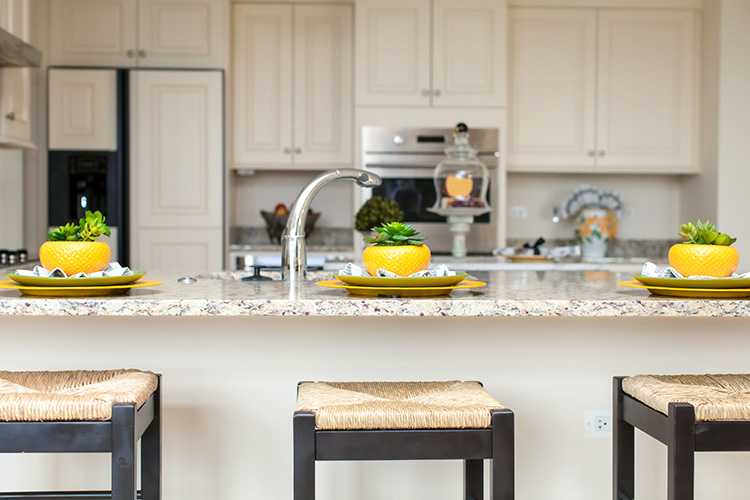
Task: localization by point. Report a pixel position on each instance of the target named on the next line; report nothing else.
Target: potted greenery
(73, 248)
(375, 212)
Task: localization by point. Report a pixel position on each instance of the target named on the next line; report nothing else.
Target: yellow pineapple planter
(397, 249)
(704, 252)
(75, 257)
(72, 248)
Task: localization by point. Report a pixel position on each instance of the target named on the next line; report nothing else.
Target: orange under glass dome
(461, 180)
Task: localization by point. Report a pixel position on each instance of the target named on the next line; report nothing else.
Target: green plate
(400, 282)
(76, 291)
(695, 283)
(695, 293)
(67, 282)
(405, 291)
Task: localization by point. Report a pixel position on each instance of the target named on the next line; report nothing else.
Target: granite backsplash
(343, 237)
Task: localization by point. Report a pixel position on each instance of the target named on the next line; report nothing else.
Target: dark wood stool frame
(471, 445)
(117, 436)
(679, 431)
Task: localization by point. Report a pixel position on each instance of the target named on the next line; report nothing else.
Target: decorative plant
(396, 248)
(377, 211)
(88, 229)
(704, 251)
(703, 233)
(73, 248)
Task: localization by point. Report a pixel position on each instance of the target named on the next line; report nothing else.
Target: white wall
(734, 122)
(11, 199)
(699, 192)
(265, 189)
(650, 204)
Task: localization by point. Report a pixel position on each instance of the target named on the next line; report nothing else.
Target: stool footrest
(58, 495)
(426, 444)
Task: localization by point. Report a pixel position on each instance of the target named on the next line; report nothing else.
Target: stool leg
(681, 452)
(123, 451)
(623, 448)
(304, 455)
(151, 454)
(502, 480)
(474, 479)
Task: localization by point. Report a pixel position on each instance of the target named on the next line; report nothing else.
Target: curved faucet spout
(293, 249)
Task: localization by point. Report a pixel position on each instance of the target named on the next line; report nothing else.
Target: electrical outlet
(626, 213)
(517, 212)
(598, 424)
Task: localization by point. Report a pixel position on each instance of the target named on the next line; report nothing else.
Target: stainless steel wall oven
(405, 158)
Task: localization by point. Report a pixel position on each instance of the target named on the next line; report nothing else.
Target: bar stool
(404, 421)
(688, 413)
(86, 412)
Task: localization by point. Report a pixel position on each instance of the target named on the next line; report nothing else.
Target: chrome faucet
(293, 249)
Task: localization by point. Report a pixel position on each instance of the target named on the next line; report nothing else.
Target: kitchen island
(545, 343)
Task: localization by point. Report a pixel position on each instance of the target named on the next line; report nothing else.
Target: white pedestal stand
(460, 225)
(460, 220)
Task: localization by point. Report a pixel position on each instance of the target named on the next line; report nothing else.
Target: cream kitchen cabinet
(15, 83)
(292, 86)
(430, 53)
(82, 109)
(600, 90)
(176, 170)
(138, 33)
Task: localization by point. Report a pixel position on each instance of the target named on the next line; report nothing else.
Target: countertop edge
(368, 307)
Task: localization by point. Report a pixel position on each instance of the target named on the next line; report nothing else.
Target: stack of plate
(709, 288)
(76, 287)
(401, 286)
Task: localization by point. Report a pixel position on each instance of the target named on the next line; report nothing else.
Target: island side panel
(229, 393)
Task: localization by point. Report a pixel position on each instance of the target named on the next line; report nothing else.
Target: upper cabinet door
(552, 67)
(15, 83)
(393, 52)
(262, 84)
(647, 100)
(143, 33)
(179, 33)
(93, 32)
(323, 85)
(468, 56)
(83, 109)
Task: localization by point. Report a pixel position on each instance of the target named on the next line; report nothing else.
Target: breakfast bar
(544, 343)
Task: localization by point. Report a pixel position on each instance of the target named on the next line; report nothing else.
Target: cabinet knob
(130, 53)
(297, 150)
(591, 153)
(425, 92)
(11, 116)
(436, 92)
(141, 53)
(601, 153)
(287, 151)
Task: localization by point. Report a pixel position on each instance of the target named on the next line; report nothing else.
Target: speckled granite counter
(515, 293)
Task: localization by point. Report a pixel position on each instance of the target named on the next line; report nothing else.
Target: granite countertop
(507, 293)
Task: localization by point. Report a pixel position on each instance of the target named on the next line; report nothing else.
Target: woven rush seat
(79, 411)
(71, 395)
(397, 405)
(686, 413)
(450, 420)
(715, 397)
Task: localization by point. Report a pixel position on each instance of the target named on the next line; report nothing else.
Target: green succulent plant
(703, 233)
(377, 211)
(394, 234)
(89, 228)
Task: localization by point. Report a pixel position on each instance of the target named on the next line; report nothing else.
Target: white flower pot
(596, 227)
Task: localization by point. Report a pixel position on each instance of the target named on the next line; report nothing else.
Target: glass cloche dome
(461, 180)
